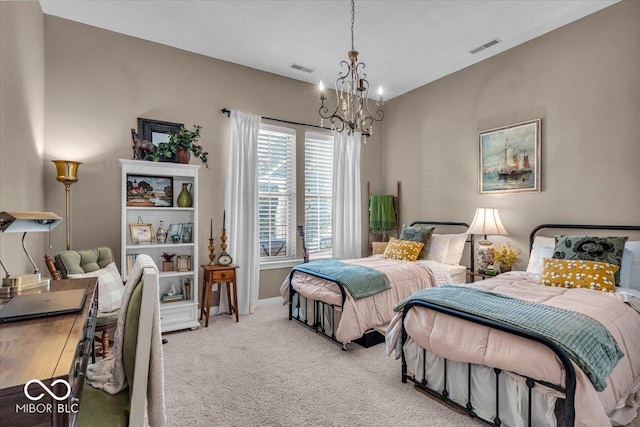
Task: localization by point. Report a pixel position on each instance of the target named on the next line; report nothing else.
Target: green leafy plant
(167, 256)
(185, 139)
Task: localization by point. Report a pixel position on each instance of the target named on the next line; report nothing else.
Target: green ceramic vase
(184, 199)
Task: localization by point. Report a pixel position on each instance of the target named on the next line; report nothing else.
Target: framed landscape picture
(510, 159)
(149, 191)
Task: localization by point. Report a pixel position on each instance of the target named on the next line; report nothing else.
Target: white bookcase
(175, 315)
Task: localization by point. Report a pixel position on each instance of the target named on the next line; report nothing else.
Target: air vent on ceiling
(485, 46)
(301, 68)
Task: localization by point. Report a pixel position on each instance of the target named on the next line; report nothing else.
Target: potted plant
(506, 256)
(180, 146)
(167, 265)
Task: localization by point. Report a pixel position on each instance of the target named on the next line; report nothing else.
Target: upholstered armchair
(93, 263)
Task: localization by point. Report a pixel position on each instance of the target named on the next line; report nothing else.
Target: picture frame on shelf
(141, 233)
(186, 236)
(149, 191)
(509, 159)
(184, 263)
(174, 234)
(157, 131)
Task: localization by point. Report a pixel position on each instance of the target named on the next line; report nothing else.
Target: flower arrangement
(507, 255)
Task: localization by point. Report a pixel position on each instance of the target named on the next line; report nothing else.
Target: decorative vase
(161, 234)
(485, 255)
(184, 199)
(183, 156)
(167, 266)
(505, 267)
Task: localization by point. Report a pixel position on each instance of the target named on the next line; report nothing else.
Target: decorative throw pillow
(592, 248)
(418, 234)
(378, 247)
(110, 287)
(634, 275)
(405, 250)
(576, 273)
(535, 256)
(625, 268)
(438, 248)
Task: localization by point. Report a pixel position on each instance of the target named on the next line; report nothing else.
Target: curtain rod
(228, 113)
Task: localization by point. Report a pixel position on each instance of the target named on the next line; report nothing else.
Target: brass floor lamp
(67, 174)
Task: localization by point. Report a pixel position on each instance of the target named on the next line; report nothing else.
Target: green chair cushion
(83, 261)
(101, 409)
(104, 319)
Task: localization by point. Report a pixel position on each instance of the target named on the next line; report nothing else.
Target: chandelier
(352, 91)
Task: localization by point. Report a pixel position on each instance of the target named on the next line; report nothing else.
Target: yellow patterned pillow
(574, 273)
(403, 249)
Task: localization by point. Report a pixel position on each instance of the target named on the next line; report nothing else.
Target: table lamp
(23, 222)
(487, 221)
(67, 174)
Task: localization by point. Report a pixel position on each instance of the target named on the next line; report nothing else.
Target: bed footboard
(323, 320)
(570, 378)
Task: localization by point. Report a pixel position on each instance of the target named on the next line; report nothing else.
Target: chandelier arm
(339, 127)
(346, 72)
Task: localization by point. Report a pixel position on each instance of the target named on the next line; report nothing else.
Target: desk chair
(127, 408)
(86, 261)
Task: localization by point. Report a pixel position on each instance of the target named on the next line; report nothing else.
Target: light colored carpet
(269, 371)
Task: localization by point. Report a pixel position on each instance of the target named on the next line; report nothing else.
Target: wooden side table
(221, 275)
(471, 275)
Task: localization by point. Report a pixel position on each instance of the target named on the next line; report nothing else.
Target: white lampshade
(487, 222)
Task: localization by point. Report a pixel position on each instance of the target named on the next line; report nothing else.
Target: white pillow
(535, 258)
(110, 287)
(634, 276)
(625, 268)
(456, 248)
(438, 248)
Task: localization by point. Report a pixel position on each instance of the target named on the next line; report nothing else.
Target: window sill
(287, 263)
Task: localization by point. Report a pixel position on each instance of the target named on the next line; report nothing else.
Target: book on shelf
(172, 298)
(131, 259)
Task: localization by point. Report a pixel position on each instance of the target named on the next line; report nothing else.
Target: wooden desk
(46, 349)
(222, 275)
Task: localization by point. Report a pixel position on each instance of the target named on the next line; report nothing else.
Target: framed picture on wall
(149, 191)
(157, 131)
(510, 159)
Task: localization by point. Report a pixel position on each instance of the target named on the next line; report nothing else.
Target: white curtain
(347, 203)
(241, 207)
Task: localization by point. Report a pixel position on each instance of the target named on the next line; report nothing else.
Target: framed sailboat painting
(510, 159)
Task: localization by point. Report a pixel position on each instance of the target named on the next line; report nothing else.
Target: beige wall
(22, 77)
(99, 82)
(583, 80)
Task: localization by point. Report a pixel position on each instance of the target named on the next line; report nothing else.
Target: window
(318, 187)
(276, 193)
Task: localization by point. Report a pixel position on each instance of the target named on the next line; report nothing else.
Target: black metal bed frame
(318, 323)
(570, 378)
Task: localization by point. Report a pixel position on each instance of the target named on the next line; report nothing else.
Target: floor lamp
(67, 174)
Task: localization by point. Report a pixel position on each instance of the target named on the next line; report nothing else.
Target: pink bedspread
(358, 316)
(463, 341)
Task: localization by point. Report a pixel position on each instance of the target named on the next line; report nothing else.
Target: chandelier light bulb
(321, 86)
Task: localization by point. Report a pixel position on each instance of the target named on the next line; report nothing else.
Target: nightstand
(223, 275)
(471, 276)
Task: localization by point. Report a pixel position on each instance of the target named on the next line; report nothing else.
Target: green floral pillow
(418, 234)
(591, 248)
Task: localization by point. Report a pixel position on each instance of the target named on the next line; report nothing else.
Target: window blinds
(276, 192)
(318, 187)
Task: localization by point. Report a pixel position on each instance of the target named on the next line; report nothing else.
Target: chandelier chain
(353, 14)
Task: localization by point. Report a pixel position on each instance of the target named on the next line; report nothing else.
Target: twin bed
(482, 360)
(494, 367)
(323, 304)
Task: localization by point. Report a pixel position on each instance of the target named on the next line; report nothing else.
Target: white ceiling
(405, 44)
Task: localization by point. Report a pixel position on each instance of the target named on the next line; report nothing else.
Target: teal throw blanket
(586, 341)
(358, 280)
(382, 214)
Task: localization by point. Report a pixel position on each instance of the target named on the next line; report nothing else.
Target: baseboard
(270, 301)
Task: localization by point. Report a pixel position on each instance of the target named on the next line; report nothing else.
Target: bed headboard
(453, 224)
(581, 227)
